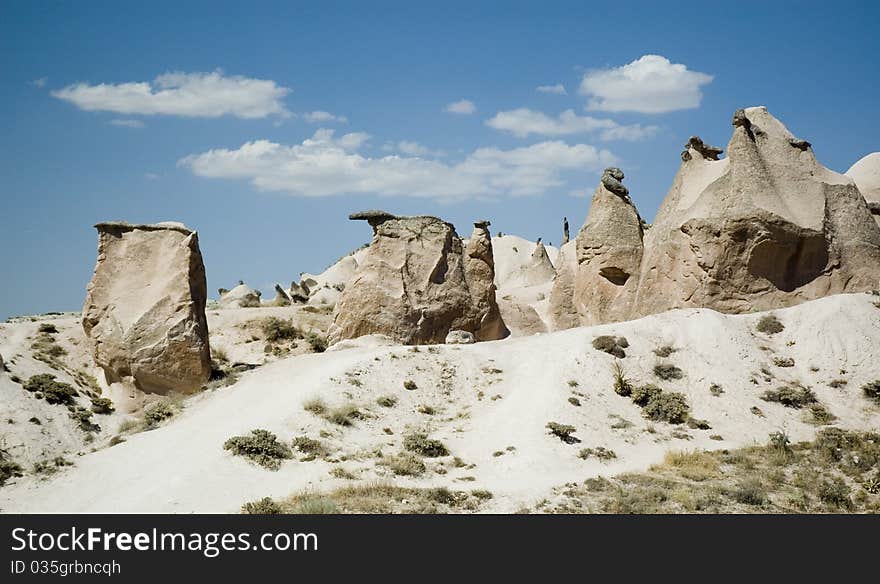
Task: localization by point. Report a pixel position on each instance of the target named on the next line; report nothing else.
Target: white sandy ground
(181, 467)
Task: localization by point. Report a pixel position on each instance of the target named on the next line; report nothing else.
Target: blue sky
(206, 113)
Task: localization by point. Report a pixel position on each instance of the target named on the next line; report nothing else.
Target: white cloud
(151, 176)
(207, 95)
(127, 123)
(41, 82)
(462, 106)
(650, 84)
(324, 165)
(522, 122)
(319, 117)
(558, 89)
(413, 148)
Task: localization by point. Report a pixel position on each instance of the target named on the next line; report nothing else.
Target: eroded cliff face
(416, 283)
(144, 311)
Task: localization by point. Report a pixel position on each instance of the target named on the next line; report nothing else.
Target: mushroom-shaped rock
(144, 312)
(242, 296)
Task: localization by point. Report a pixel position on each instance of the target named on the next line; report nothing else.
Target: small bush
(482, 494)
(563, 432)
(309, 446)
(574, 401)
(260, 446)
(48, 328)
(612, 345)
(54, 392)
(696, 424)
(820, 415)
(102, 405)
(750, 492)
(427, 410)
(769, 324)
(667, 371)
(410, 385)
(8, 468)
(622, 385)
(157, 413)
(669, 407)
(315, 406)
(83, 418)
(600, 452)
(838, 383)
(405, 464)
(780, 443)
(791, 396)
(316, 342)
(642, 395)
(344, 415)
(835, 492)
(387, 401)
(872, 390)
(420, 444)
(276, 329)
(716, 389)
(264, 506)
(783, 361)
(665, 351)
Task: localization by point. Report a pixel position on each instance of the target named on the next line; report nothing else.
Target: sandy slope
(489, 396)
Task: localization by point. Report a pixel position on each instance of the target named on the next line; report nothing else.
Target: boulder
(766, 227)
(416, 283)
(144, 312)
(242, 296)
(460, 338)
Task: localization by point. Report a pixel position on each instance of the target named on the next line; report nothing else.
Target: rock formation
(562, 314)
(866, 174)
(460, 338)
(242, 296)
(565, 233)
(768, 226)
(416, 283)
(298, 292)
(540, 269)
(144, 311)
(608, 253)
(282, 298)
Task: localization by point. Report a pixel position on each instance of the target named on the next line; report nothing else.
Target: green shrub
(315, 406)
(157, 413)
(387, 401)
(264, 506)
(783, 361)
(600, 452)
(716, 389)
(750, 492)
(405, 464)
(420, 444)
(309, 446)
(426, 409)
(872, 390)
(574, 401)
(769, 324)
(482, 494)
(83, 418)
(563, 432)
(8, 468)
(669, 407)
(260, 446)
(612, 345)
(820, 415)
(102, 405)
(317, 343)
(344, 415)
(780, 443)
(642, 395)
(48, 328)
(622, 385)
(791, 396)
(665, 351)
(276, 329)
(54, 392)
(314, 504)
(697, 424)
(835, 492)
(410, 385)
(667, 371)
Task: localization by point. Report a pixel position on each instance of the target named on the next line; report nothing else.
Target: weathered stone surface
(242, 296)
(562, 313)
(705, 150)
(540, 269)
(298, 292)
(416, 283)
(611, 181)
(460, 338)
(144, 312)
(282, 298)
(608, 256)
(768, 226)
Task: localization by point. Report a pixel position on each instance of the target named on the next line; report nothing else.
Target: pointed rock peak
(758, 122)
(482, 224)
(866, 174)
(696, 146)
(611, 180)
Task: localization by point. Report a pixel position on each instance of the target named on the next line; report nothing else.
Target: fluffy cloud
(558, 89)
(324, 165)
(319, 117)
(204, 95)
(651, 85)
(127, 123)
(522, 122)
(41, 82)
(462, 106)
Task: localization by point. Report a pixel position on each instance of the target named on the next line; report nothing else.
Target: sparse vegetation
(422, 445)
(157, 413)
(344, 415)
(612, 345)
(426, 409)
(310, 447)
(8, 468)
(622, 385)
(405, 464)
(783, 361)
(600, 452)
(48, 328)
(385, 499)
(716, 390)
(316, 342)
(669, 407)
(261, 447)
(769, 324)
(264, 506)
(665, 351)
(642, 395)
(102, 405)
(791, 396)
(54, 392)
(410, 385)
(574, 401)
(563, 432)
(315, 406)
(277, 329)
(387, 401)
(872, 390)
(667, 371)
